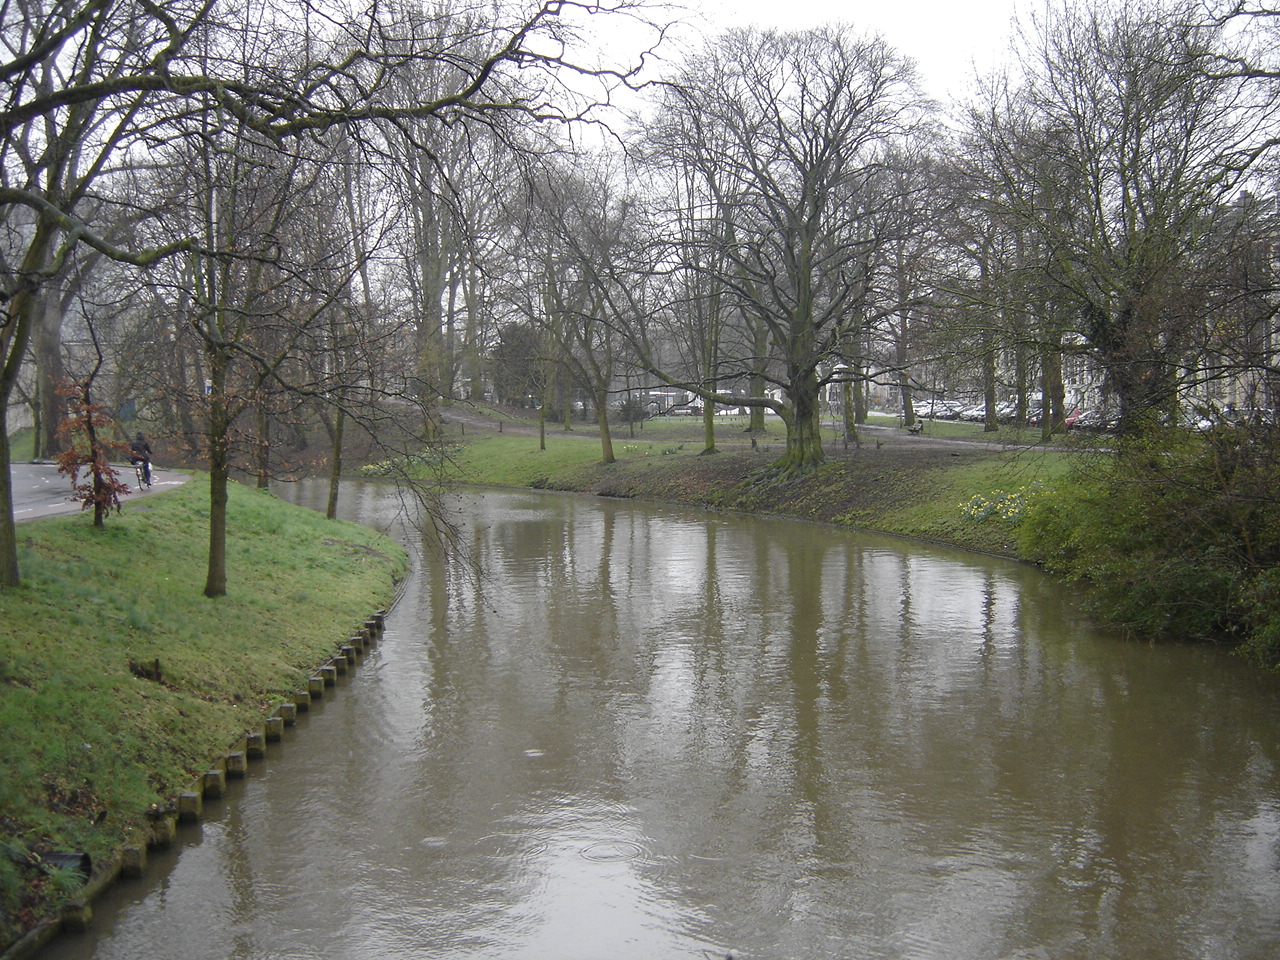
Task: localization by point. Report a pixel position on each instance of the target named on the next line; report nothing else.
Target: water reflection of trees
(823, 737)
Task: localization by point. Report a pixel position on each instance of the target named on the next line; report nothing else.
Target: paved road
(40, 491)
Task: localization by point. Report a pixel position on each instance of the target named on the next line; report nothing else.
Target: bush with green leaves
(1178, 535)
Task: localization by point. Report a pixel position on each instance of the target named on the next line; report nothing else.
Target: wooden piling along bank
(130, 862)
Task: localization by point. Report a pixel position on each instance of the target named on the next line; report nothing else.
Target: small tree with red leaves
(87, 454)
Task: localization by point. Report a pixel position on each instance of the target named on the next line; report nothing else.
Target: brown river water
(646, 733)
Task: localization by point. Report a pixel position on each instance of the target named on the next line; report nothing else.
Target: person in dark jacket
(140, 453)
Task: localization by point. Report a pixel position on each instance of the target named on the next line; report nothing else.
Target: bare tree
(685, 149)
(1119, 150)
(92, 84)
(801, 122)
(580, 246)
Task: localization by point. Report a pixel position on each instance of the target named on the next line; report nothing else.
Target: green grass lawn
(942, 512)
(22, 445)
(515, 460)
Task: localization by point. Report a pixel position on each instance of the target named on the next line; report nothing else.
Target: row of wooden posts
(131, 861)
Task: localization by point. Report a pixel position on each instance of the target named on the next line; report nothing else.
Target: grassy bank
(88, 743)
(893, 483)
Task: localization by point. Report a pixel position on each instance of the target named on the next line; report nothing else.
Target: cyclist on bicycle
(140, 453)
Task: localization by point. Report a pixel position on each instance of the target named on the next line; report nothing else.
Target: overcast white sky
(943, 36)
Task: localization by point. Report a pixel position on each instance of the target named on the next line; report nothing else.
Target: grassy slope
(896, 487)
(87, 745)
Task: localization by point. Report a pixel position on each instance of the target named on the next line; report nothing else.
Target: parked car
(927, 409)
(1006, 410)
(938, 409)
(1094, 420)
(1070, 419)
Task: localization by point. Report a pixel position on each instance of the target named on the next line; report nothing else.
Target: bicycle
(142, 470)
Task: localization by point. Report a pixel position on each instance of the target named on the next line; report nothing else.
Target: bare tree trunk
(600, 401)
(567, 393)
(14, 337)
(8, 535)
(847, 404)
(219, 473)
(804, 428)
(46, 343)
(756, 386)
(904, 384)
(862, 389)
(989, 424)
(264, 445)
(335, 465)
(1021, 378)
(1053, 415)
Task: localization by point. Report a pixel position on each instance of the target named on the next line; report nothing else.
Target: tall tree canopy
(787, 131)
(95, 85)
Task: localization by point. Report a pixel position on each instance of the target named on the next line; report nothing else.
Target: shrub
(1262, 600)
(1178, 534)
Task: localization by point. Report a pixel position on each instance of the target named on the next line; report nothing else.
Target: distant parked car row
(938, 409)
(1207, 417)
(1199, 418)
(1005, 412)
(957, 410)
